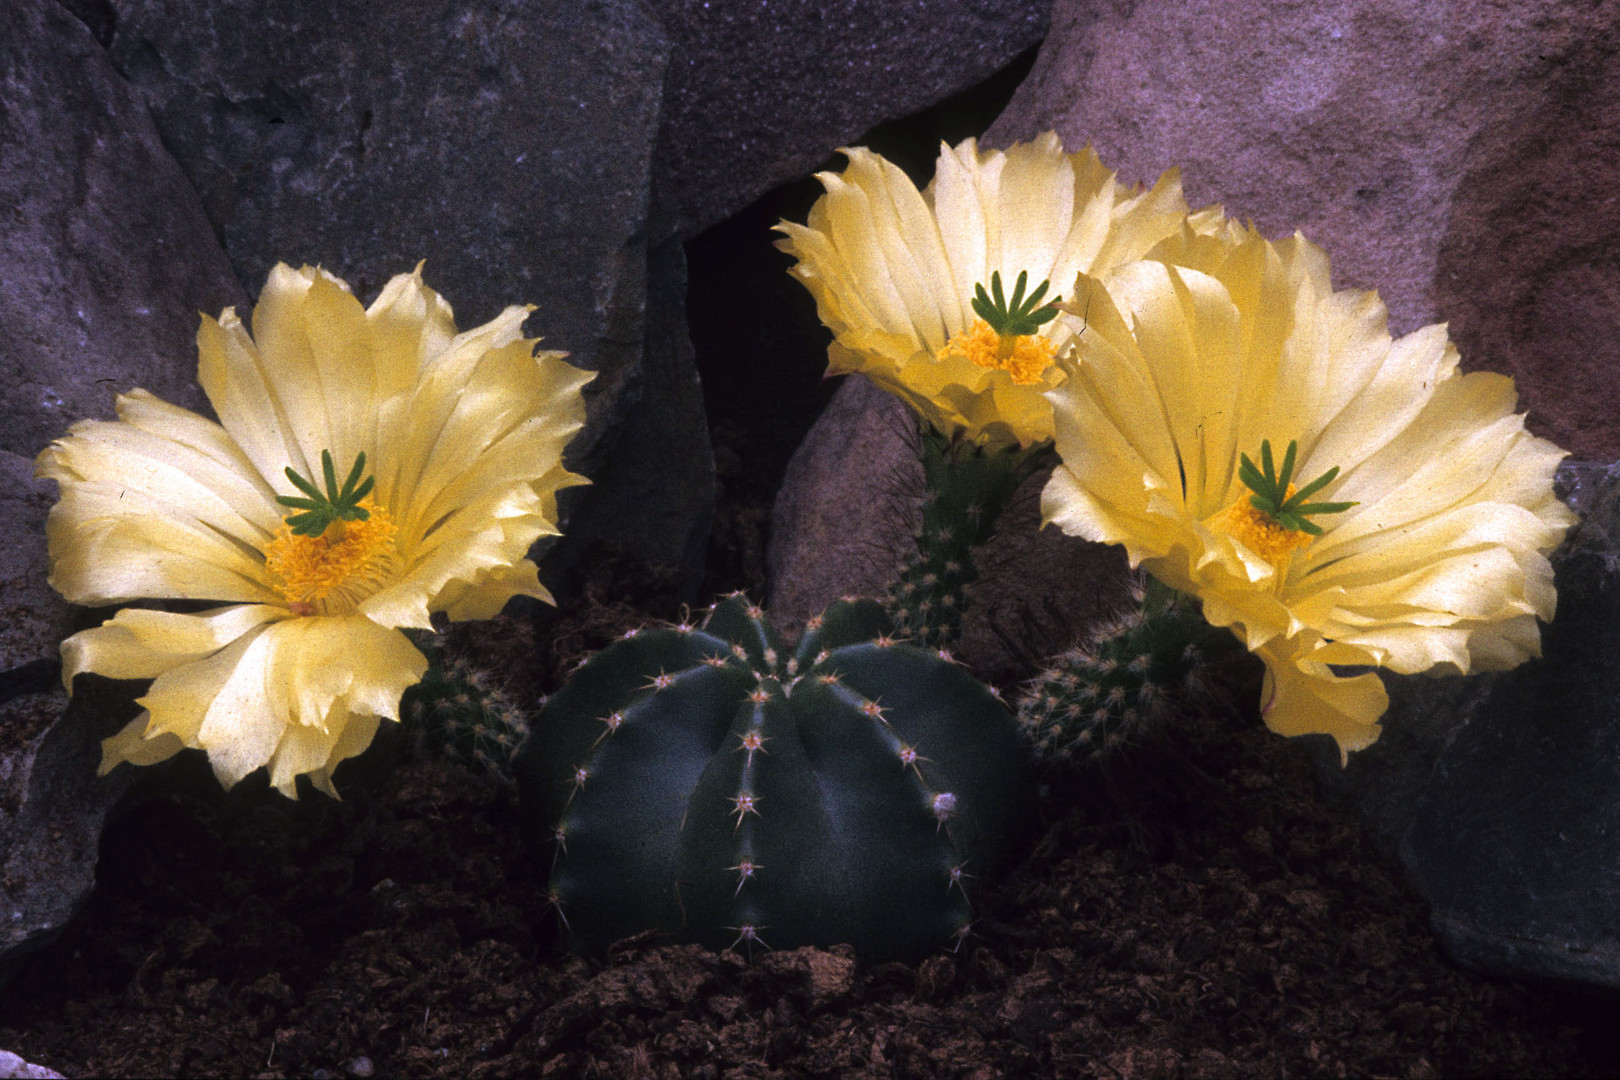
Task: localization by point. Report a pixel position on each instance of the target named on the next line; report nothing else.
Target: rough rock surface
(507, 145)
(1498, 791)
(1460, 158)
(759, 94)
(52, 805)
(107, 260)
(105, 256)
(838, 524)
(13, 1067)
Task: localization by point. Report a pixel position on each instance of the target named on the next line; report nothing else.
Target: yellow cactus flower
(1408, 525)
(452, 447)
(925, 292)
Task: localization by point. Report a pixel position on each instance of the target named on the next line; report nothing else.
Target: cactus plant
(1122, 684)
(706, 783)
(459, 710)
(967, 487)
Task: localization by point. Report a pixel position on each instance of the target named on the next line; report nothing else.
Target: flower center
(331, 573)
(1258, 531)
(1023, 357)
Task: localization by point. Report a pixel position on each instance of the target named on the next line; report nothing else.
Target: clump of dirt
(1211, 917)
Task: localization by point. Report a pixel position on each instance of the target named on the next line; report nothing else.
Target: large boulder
(760, 94)
(106, 257)
(509, 146)
(107, 260)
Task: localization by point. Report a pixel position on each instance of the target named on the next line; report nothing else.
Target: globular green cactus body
(967, 487)
(704, 783)
(1125, 681)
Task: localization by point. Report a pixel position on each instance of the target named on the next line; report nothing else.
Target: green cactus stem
(706, 783)
(458, 710)
(1126, 680)
(967, 488)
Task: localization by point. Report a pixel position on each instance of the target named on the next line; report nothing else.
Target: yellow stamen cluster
(1259, 531)
(1024, 357)
(331, 573)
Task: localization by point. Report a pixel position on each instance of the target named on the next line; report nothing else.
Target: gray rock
(36, 618)
(13, 1067)
(1456, 157)
(847, 506)
(659, 447)
(52, 805)
(106, 257)
(103, 268)
(1498, 792)
(760, 93)
(507, 144)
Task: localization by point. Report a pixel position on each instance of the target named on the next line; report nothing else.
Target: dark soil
(1217, 921)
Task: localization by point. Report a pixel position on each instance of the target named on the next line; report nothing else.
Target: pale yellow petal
(1035, 206)
(408, 321)
(310, 672)
(484, 597)
(962, 193)
(133, 746)
(159, 504)
(1111, 420)
(141, 644)
(232, 374)
(315, 344)
(316, 752)
(180, 699)
(1303, 696)
(473, 464)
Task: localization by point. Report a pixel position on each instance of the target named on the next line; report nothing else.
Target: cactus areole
(704, 783)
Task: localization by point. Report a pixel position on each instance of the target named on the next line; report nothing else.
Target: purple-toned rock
(13, 1067)
(107, 257)
(509, 146)
(1461, 159)
(758, 94)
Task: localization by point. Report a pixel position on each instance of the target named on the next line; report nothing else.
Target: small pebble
(360, 1066)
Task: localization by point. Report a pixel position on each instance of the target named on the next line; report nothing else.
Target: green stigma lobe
(1271, 490)
(1021, 317)
(335, 504)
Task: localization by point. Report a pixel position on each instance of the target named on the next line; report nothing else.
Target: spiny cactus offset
(704, 783)
(1120, 686)
(460, 710)
(967, 488)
